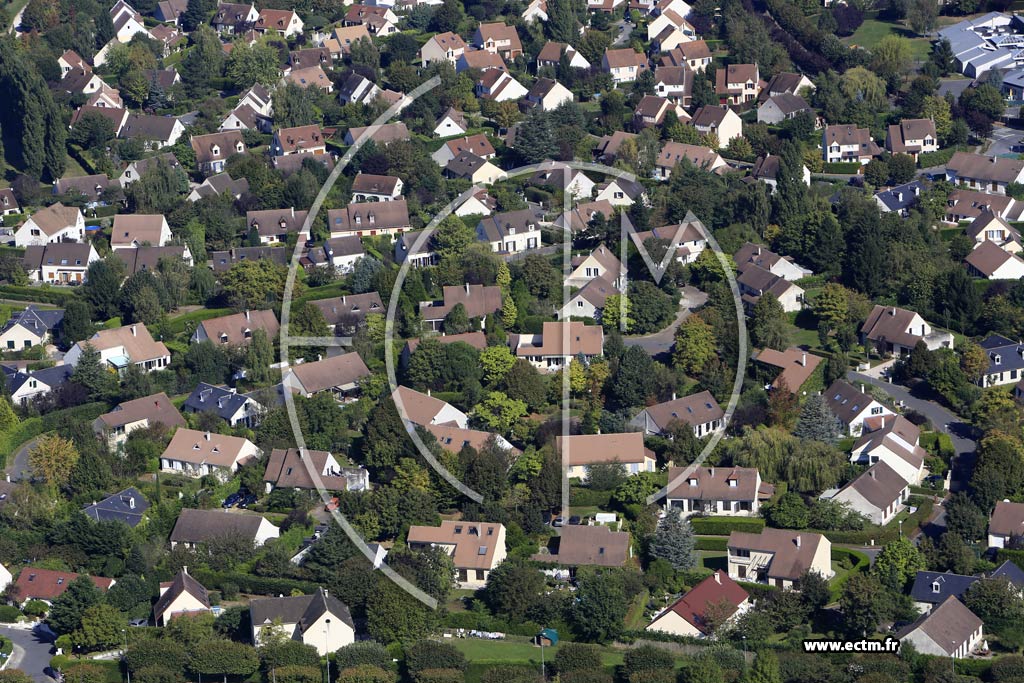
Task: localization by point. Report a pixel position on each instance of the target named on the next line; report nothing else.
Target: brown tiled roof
(182, 583)
(135, 338)
(156, 408)
(449, 41)
(275, 19)
(47, 584)
(849, 135)
(590, 449)
(732, 74)
(136, 228)
(349, 308)
(287, 468)
(609, 144)
(979, 166)
(374, 184)
(582, 338)
(417, 407)
(309, 77)
(890, 323)
(483, 60)
(338, 371)
(55, 218)
(300, 138)
(589, 545)
(1007, 519)
(197, 526)
(713, 483)
(477, 144)
(193, 446)
(793, 550)
(388, 132)
(273, 222)
(475, 542)
(369, 216)
(453, 438)
(910, 129)
(949, 625)
(987, 257)
(231, 329)
(797, 365)
(715, 590)
(478, 300)
(696, 409)
(880, 485)
(673, 152)
(624, 57)
(845, 400)
(226, 142)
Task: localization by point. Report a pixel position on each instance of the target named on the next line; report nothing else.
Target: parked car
(232, 500)
(557, 521)
(575, 520)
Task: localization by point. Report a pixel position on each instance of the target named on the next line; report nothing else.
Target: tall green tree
(769, 325)
(817, 421)
(674, 541)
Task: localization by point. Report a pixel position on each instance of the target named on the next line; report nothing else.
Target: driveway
(1001, 139)
(32, 652)
(625, 30)
(662, 341)
(942, 419)
(17, 467)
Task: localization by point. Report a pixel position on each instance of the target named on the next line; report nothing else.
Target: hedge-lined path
(18, 467)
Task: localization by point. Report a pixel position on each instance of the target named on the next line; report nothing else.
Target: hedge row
(247, 583)
(929, 159)
(842, 167)
(881, 535)
(1007, 555)
(57, 297)
(723, 526)
(34, 426)
(716, 543)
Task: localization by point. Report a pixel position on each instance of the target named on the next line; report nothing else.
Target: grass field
(479, 651)
(872, 31)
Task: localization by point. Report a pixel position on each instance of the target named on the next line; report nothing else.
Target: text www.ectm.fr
(889, 645)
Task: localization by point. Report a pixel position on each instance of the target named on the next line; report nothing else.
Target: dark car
(557, 521)
(575, 519)
(232, 500)
(247, 501)
(54, 674)
(1018, 148)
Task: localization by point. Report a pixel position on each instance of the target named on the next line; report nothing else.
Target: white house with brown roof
(651, 110)
(737, 84)
(285, 23)
(136, 230)
(498, 38)
(140, 413)
(274, 225)
(299, 140)
(852, 406)
(500, 86)
(673, 153)
(583, 450)
(879, 494)
(950, 630)
(212, 151)
(912, 136)
(755, 282)
(339, 374)
(478, 300)
(601, 262)
(558, 345)
(445, 46)
(423, 410)
(60, 263)
(782, 107)
(552, 52)
(897, 330)
(700, 411)
(294, 468)
(477, 144)
(778, 557)
(476, 548)
(989, 260)
(796, 367)
(624, 64)
(894, 440)
(988, 227)
(548, 94)
(987, 174)
(367, 187)
(695, 55)
(725, 491)
(846, 142)
(55, 223)
(196, 527)
(197, 454)
(182, 595)
(452, 122)
(720, 121)
(1005, 524)
(236, 329)
(590, 300)
(124, 346)
(711, 602)
(319, 620)
(369, 219)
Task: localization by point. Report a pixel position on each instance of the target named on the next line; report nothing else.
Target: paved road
(17, 468)
(1001, 139)
(661, 342)
(942, 419)
(625, 29)
(32, 652)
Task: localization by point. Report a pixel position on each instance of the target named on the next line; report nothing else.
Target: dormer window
(936, 587)
(692, 482)
(732, 483)
(998, 359)
(458, 529)
(215, 150)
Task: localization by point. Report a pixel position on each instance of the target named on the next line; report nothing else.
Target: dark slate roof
(303, 610)
(900, 197)
(218, 400)
(1009, 571)
(947, 584)
(1009, 353)
(127, 506)
(34, 319)
(51, 377)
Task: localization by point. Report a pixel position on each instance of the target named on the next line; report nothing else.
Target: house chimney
(871, 473)
(428, 391)
(803, 359)
(673, 395)
(344, 298)
(134, 334)
(892, 311)
(247, 319)
(184, 569)
(207, 436)
(798, 540)
(718, 577)
(467, 289)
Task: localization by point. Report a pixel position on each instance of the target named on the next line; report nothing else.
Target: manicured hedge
(247, 583)
(723, 526)
(842, 167)
(34, 426)
(716, 543)
(57, 297)
(882, 535)
(1005, 554)
(929, 159)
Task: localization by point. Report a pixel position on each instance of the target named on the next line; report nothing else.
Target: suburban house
(478, 300)
(608, 146)
(368, 219)
(964, 204)
(477, 144)
(778, 557)
(700, 411)
(897, 330)
(879, 494)
(195, 527)
(722, 122)
(237, 329)
(148, 258)
(357, 89)
(690, 240)
(124, 346)
(212, 150)
(695, 55)
(847, 143)
(511, 232)
(423, 410)
(481, 61)
(378, 19)
(62, 263)
(690, 614)
(25, 387)
(298, 140)
(292, 468)
(558, 177)
(340, 42)
(551, 55)
(226, 403)
(476, 170)
(624, 64)
(796, 367)
(196, 454)
(672, 153)
(476, 548)
(899, 198)
(8, 203)
(139, 413)
(153, 132)
(737, 84)
(452, 122)
(1006, 525)
(583, 450)
(310, 77)
(912, 136)
(674, 83)
(453, 439)
(601, 262)
(131, 231)
(852, 406)
(988, 227)
(55, 223)
(339, 375)
(92, 191)
(30, 326)
(755, 282)
(223, 260)
(478, 340)
(726, 491)
(989, 260)
(35, 583)
(931, 589)
(767, 168)
(232, 17)
(782, 107)
(579, 545)
(280, 22)
(340, 253)
(498, 85)
(1005, 361)
(980, 172)
(787, 82)
(894, 440)
(274, 225)
(589, 301)
(367, 187)
(651, 110)
(498, 38)
(183, 595)
(445, 46)
(950, 630)
(344, 314)
(558, 344)
(548, 94)
(127, 506)
(319, 620)
(621, 191)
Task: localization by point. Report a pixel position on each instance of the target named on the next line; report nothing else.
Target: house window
(876, 411)
(741, 553)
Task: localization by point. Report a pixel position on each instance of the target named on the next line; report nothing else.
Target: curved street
(32, 651)
(662, 340)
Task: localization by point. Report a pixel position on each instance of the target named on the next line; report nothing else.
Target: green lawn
(872, 31)
(713, 559)
(514, 651)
